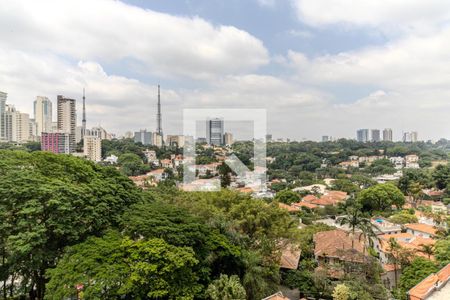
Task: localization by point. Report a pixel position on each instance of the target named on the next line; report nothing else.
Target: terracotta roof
(276, 296)
(289, 208)
(422, 228)
(389, 267)
(403, 235)
(157, 171)
(337, 243)
(290, 256)
(246, 190)
(309, 198)
(429, 285)
(339, 195)
(326, 200)
(304, 204)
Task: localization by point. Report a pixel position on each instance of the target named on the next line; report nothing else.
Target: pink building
(56, 142)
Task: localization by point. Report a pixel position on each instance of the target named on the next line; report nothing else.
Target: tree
(394, 249)
(287, 197)
(427, 249)
(442, 251)
(381, 197)
(356, 221)
(414, 191)
(132, 165)
(419, 269)
(226, 288)
(341, 292)
(51, 201)
(403, 217)
(441, 176)
(113, 266)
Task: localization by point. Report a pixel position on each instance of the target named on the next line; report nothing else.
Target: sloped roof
(337, 243)
(429, 285)
(422, 228)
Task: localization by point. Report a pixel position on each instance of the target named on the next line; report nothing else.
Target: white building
(43, 115)
(92, 148)
(16, 125)
(66, 118)
(3, 97)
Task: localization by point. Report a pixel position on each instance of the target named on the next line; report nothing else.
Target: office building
(99, 132)
(375, 134)
(214, 132)
(175, 140)
(228, 139)
(92, 148)
(410, 137)
(387, 135)
(16, 125)
(3, 97)
(56, 142)
(143, 136)
(67, 119)
(325, 138)
(414, 136)
(43, 114)
(362, 135)
(157, 139)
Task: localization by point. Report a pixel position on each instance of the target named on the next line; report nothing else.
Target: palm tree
(394, 249)
(427, 249)
(357, 222)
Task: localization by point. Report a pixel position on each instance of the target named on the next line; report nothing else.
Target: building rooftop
(422, 228)
(338, 243)
(434, 287)
(276, 296)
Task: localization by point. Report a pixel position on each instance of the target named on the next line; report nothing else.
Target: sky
(319, 67)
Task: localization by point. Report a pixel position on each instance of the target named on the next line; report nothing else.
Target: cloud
(267, 3)
(417, 15)
(112, 31)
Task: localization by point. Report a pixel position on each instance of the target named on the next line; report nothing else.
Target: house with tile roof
(435, 287)
(421, 230)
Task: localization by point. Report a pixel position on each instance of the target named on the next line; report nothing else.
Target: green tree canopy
(381, 197)
(226, 288)
(287, 197)
(113, 266)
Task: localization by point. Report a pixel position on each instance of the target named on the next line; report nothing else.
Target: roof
(430, 285)
(304, 204)
(422, 228)
(276, 296)
(403, 235)
(290, 256)
(340, 195)
(337, 243)
(309, 198)
(157, 171)
(289, 208)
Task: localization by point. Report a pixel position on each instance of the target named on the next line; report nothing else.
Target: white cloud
(111, 31)
(415, 15)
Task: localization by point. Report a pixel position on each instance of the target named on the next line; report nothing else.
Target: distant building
(157, 139)
(214, 132)
(143, 136)
(3, 97)
(67, 119)
(92, 148)
(43, 114)
(56, 142)
(16, 125)
(201, 140)
(175, 140)
(325, 138)
(112, 159)
(268, 138)
(410, 137)
(228, 139)
(99, 132)
(387, 135)
(362, 135)
(375, 133)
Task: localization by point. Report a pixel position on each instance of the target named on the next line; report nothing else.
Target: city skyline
(314, 74)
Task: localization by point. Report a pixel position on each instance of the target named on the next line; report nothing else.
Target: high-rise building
(228, 139)
(100, 132)
(33, 130)
(175, 140)
(268, 138)
(410, 137)
(43, 114)
(3, 97)
(16, 125)
(325, 138)
(387, 135)
(214, 131)
(67, 119)
(362, 135)
(375, 133)
(414, 136)
(56, 142)
(92, 148)
(157, 140)
(143, 136)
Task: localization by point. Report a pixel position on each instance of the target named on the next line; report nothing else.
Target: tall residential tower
(67, 119)
(43, 115)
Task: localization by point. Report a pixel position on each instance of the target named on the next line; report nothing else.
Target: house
(158, 175)
(349, 164)
(397, 161)
(386, 227)
(166, 164)
(304, 204)
(276, 296)
(314, 188)
(435, 287)
(201, 185)
(412, 161)
(309, 198)
(112, 159)
(421, 230)
(334, 247)
(289, 208)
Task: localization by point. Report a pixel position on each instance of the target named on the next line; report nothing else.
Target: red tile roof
(337, 243)
(422, 228)
(429, 285)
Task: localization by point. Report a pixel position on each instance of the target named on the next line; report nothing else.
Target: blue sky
(319, 67)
